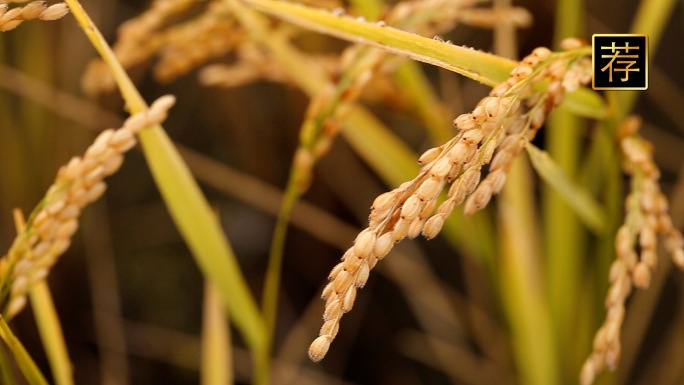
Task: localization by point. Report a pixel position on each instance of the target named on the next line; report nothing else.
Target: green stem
(477, 65)
(24, 361)
(51, 333)
(190, 210)
(216, 366)
(6, 368)
(275, 260)
(564, 237)
(522, 288)
(569, 20)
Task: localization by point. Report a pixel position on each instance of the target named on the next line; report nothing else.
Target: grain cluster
(636, 244)
(10, 18)
(48, 231)
(177, 36)
(358, 66)
(474, 163)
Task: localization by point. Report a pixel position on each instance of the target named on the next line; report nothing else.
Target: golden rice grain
(495, 131)
(636, 244)
(11, 18)
(49, 229)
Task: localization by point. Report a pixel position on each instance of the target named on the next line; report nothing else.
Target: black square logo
(620, 62)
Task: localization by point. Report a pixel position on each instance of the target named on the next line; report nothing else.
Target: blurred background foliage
(130, 296)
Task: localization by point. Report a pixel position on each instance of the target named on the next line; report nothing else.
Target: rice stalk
(531, 332)
(562, 248)
(190, 210)
(493, 134)
(650, 19)
(216, 361)
(326, 112)
(461, 60)
(421, 195)
(6, 375)
(636, 244)
(223, 178)
(51, 333)
(48, 231)
(23, 360)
